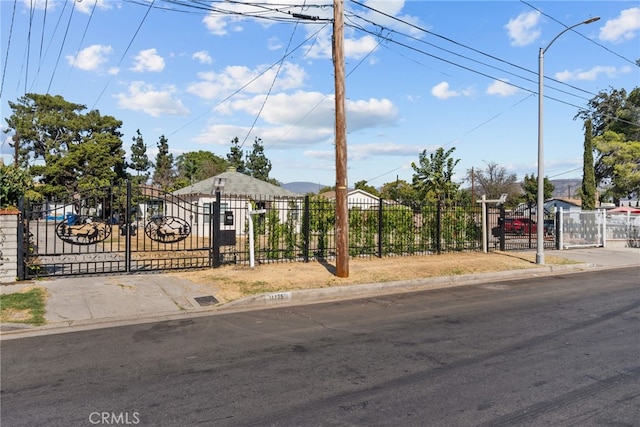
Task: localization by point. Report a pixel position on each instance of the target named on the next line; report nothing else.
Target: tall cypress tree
(235, 155)
(258, 166)
(588, 170)
(163, 174)
(139, 160)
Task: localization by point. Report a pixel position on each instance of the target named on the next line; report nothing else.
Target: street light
(540, 213)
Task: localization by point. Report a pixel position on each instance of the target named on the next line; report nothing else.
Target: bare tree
(495, 180)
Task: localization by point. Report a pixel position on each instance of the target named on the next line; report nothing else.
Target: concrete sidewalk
(80, 303)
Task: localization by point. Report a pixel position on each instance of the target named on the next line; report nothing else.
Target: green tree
(257, 165)
(614, 111)
(362, 185)
(235, 157)
(622, 157)
(79, 151)
(15, 182)
(588, 191)
(163, 174)
(530, 187)
(433, 177)
(327, 189)
(195, 166)
(139, 159)
(402, 192)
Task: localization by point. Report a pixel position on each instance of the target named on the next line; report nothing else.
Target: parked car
(520, 226)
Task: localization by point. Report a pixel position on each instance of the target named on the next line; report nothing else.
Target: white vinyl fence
(596, 228)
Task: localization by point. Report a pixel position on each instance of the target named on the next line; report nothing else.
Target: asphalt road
(551, 351)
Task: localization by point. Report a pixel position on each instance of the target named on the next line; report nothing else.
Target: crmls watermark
(114, 418)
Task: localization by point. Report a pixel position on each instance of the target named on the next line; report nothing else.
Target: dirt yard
(233, 282)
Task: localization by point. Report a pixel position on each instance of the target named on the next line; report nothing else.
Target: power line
(457, 54)
(275, 77)
(246, 84)
(64, 39)
(84, 34)
(6, 58)
(581, 35)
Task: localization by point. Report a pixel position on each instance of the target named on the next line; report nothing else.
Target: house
(238, 190)
(567, 204)
(357, 198)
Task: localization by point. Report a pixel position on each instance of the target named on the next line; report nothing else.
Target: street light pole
(540, 203)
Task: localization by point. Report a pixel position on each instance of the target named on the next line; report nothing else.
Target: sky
(420, 75)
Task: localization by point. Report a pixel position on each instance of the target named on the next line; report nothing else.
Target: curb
(308, 296)
(300, 297)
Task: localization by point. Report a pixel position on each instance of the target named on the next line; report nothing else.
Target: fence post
(560, 229)
(23, 240)
(305, 229)
(380, 227)
(604, 226)
(557, 229)
(438, 227)
(216, 231)
(127, 228)
(503, 237)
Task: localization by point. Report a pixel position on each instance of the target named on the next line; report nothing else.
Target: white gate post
(252, 261)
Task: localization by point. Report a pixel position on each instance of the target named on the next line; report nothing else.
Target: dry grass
(233, 282)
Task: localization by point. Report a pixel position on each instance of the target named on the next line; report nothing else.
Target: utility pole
(342, 209)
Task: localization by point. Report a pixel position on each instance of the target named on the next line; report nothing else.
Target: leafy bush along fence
(303, 229)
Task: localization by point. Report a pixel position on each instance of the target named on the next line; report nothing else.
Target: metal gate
(120, 229)
(518, 231)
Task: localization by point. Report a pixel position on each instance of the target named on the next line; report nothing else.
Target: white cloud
(501, 88)
(203, 57)
(274, 44)
(86, 7)
(359, 48)
(313, 110)
(592, 74)
(90, 58)
(275, 136)
(624, 27)
(148, 60)
(320, 154)
(216, 25)
(370, 113)
(442, 91)
(145, 98)
(354, 47)
(310, 122)
(523, 29)
(393, 8)
(217, 85)
(366, 151)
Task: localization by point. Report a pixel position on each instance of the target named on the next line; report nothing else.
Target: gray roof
(237, 184)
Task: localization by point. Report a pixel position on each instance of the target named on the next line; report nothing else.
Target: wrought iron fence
(303, 229)
(133, 229)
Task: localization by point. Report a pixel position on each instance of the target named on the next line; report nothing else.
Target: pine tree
(234, 157)
(139, 160)
(588, 172)
(163, 174)
(258, 166)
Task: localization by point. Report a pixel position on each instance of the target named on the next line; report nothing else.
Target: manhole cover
(208, 300)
